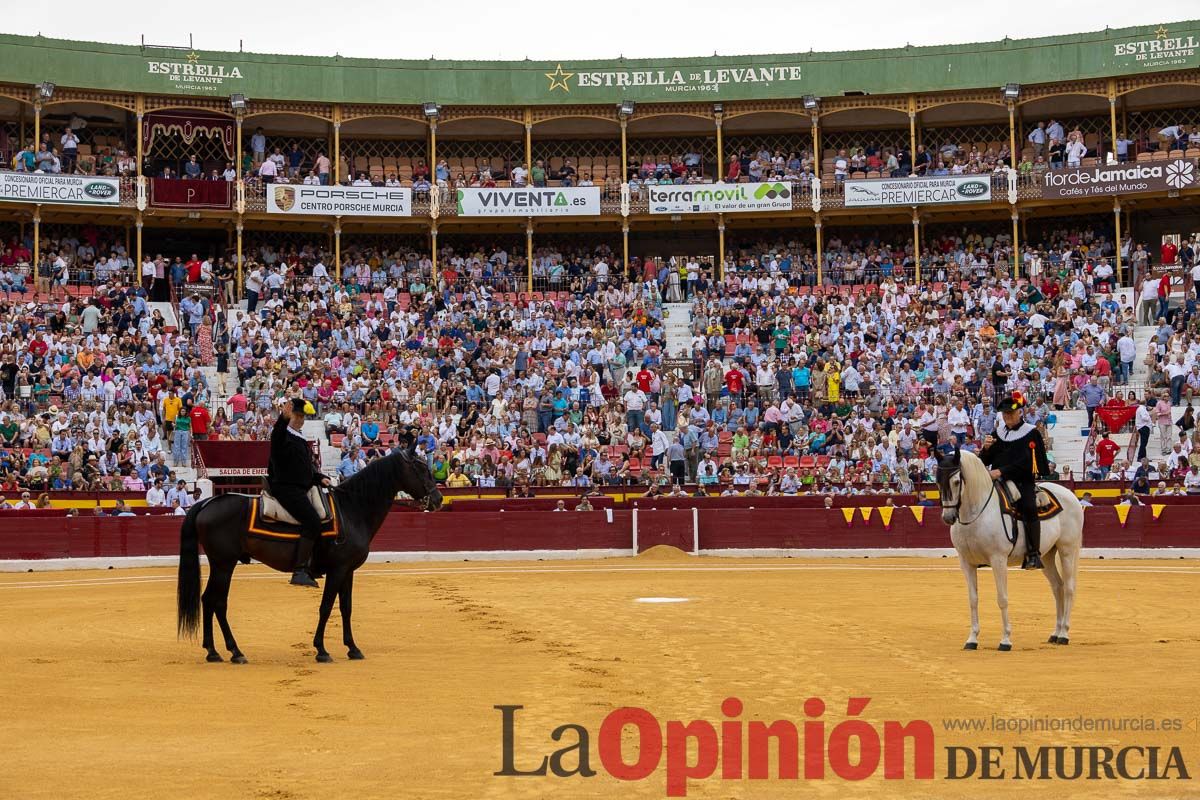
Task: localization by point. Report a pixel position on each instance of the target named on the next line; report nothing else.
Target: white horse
(971, 507)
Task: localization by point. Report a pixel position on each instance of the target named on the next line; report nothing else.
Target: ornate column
(528, 142)
(916, 220)
(816, 145)
(912, 132)
(337, 249)
(820, 255)
(719, 117)
(336, 155)
(1112, 115)
(529, 252)
(37, 242)
(1120, 261)
(719, 272)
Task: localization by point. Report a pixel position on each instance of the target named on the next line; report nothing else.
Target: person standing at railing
(1143, 421)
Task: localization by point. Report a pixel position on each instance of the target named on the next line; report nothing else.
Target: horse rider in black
(290, 477)
(1017, 453)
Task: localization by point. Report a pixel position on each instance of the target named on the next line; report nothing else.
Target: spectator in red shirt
(200, 422)
(1169, 252)
(644, 378)
(193, 269)
(734, 382)
(1106, 454)
(38, 346)
(1164, 292)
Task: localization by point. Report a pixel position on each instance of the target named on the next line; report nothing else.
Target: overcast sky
(537, 29)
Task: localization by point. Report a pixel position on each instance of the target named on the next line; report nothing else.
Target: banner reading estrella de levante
(532, 201)
(37, 187)
(919, 191)
(708, 198)
(340, 201)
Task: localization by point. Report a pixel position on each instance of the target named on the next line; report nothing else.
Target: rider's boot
(1033, 541)
(302, 567)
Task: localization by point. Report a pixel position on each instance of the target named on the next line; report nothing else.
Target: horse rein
(957, 472)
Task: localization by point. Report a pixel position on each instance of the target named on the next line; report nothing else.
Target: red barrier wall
(39, 537)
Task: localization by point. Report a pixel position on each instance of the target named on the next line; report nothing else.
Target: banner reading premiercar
(919, 191)
(36, 187)
(340, 201)
(534, 201)
(720, 197)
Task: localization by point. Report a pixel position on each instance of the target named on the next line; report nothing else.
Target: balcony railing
(832, 192)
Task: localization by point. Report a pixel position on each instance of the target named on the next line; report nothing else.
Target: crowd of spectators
(783, 389)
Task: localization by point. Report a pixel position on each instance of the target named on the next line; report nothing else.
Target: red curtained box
(182, 193)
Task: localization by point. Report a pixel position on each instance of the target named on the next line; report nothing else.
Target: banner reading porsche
(36, 187)
(919, 191)
(720, 197)
(532, 201)
(340, 201)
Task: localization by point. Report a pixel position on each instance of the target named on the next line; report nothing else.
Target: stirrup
(301, 578)
(1033, 561)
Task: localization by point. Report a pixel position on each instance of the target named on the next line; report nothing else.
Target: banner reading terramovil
(339, 201)
(919, 191)
(36, 187)
(532, 201)
(712, 198)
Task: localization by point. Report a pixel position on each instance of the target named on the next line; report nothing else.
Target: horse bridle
(957, 471)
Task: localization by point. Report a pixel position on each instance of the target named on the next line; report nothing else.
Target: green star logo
(558, 79)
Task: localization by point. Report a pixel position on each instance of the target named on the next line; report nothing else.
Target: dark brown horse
(220, 524)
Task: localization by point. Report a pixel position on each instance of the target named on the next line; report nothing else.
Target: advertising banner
(340, 201)
(530, 201)
(1146, 176)
(711, 198)
(919, 191)
(36, 187)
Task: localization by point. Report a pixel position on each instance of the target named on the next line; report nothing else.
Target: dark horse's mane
(378, 477)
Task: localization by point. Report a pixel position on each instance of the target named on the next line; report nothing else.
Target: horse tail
(188, 586)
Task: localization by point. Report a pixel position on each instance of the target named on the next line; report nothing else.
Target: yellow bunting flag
(848, 513)
(866, 512)
(885, 514)
(1122, 513)
(918, 513)
(1156, 510)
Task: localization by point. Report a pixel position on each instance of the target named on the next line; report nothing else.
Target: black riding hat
(1014, 402)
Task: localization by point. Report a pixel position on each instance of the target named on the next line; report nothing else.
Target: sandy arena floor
(102, 700)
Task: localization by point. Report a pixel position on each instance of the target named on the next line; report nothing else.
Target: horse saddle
(272, 509)
(268, 517)
(1048, 505)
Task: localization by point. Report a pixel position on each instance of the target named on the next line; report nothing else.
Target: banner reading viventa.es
(533, 201)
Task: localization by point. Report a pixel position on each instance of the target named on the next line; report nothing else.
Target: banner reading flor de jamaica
(36, 187)
(720, 197)
(339, 201)
(533, 201)
(919, 191)
(1156, 176)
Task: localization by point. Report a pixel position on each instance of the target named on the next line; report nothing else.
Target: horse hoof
(324, 658)
(355, 655)
(971, 646)
(1004, 648)
(238, 659)
(1063, 640)
(213, 658)
(1053, 640)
